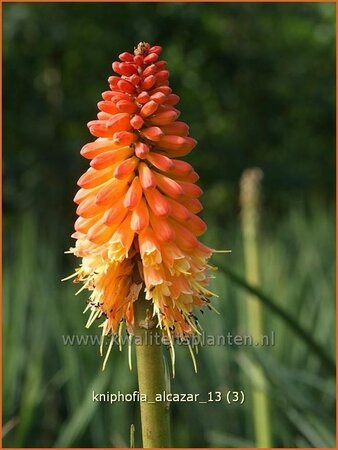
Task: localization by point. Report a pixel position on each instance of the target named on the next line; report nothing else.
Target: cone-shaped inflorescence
(137, 204)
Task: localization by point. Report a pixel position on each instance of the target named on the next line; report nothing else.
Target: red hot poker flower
(137, 203)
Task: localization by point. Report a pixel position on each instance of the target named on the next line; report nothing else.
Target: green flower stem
(151, 377)
(250, 202)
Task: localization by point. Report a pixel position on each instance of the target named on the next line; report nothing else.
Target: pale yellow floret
(152, 257)
(117, 252)
(180, 266)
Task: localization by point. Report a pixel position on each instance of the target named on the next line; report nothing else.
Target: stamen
(193, 358)
(70, 276)
(171, 350)
(81, 289)
(120, 335)
(129, 353)
(191, 324)
(214, 309)
(93, 316)
(104, 330)
(108, 352)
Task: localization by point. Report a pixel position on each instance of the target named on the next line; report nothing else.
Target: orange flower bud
(127, 69)
(172, 142)
(98, 128)
(162, 229)
(138, 60)
(108, 107)
(159, 97)
(190, 189)
(108, 158)
(181, 167)
(169, 186)
(93, 178)
(82, 225)
(140, 217)
(161, 162)
(133, 195)
(107, 95)
(119, 96)
(89, 208)
(115, 215)
(111, 192)
(172, 99)
(150, 70)
(178, 211)
(143, 97)
(162, 75)
(103, 116)
(196, 225)
(81, 195)
(157, 202)
(161, 65)
(99, 233)
(164, 118)
(119, 122)
(126, 106)
(116, 67)
(141, 150)
(125, 168)
(147, 178)
(126, 86)
(176, 128)
(155, 49)
(152, 57)
(149, 108)
(124, 138)
(113, 80)
(152, 133)
(92, 149)
(126, 56)
(136, 122)
(135, 79)
(148, 82)
(166, 90)
(193, 204)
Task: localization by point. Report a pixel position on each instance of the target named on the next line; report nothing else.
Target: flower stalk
(151, 377)
(250, 203)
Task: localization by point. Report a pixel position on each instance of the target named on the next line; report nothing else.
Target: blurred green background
(257, 88)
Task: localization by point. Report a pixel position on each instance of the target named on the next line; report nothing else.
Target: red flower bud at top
(127, 69)
(125, 56)
(138, 60)
(150, 70)
(126, 86)
(152, 57)
(155, 49)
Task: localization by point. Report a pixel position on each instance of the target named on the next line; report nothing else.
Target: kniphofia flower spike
(138, 226)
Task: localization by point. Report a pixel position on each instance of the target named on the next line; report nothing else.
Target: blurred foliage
(48, 385)
(257, 88)
(256, 83)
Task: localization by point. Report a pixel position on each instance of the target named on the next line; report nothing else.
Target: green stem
(151, 377)
(250, 201)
